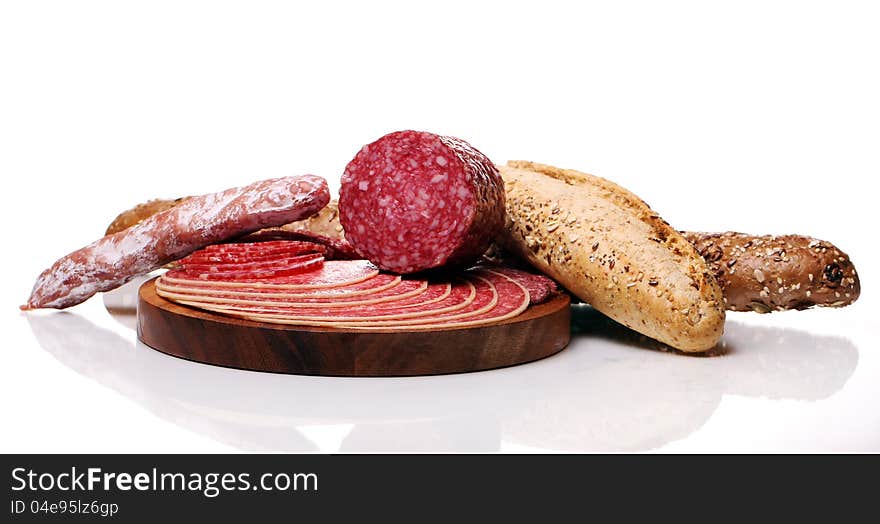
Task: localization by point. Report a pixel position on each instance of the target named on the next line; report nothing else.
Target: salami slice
(232, 253)
(236, 258)
(334, 248)
(413, 201)
(513, 299)
(406, 289)
(482, 296)
(510, 300)
(499, 298)
(239, 246)
(333, 273)
(277, 262)
(540, 288)
(462, 297)
(377, 284)
(256, 272)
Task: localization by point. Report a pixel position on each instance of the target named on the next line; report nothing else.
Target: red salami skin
(167, 236)
(413, 201)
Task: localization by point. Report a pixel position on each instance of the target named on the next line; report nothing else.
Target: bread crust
(775, 273)
(609, 248)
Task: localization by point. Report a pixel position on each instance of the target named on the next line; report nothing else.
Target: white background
(756, 116)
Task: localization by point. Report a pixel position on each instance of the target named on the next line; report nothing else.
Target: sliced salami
(499, 298)
(513, 299)
(482, 296)
(540, 288)
(252, 252)
(334, 273)
(239, 246)
(237, 258)
(405, 290)
(413, 201)
(376, 284)
(334, 248)
(461, 298)
(256, 272)
(276, 262)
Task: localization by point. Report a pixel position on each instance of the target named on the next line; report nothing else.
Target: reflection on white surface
(607, 391)
(122, 301)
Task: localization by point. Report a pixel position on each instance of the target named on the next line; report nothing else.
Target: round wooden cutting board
(211, 338)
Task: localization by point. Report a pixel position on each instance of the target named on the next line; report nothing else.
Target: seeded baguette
(609, 248)
(776, 273)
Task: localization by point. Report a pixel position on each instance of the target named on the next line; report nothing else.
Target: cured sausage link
(167, 236)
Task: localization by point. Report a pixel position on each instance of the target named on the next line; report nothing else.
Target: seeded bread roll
(610, 249)
(325, 223)
(775, 273)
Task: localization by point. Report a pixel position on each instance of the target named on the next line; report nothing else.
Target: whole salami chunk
(413, 201)
(167, 236)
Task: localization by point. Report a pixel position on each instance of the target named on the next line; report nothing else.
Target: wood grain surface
(211, 338)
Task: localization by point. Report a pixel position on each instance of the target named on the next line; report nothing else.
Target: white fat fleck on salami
(439, 190)
(164, 237)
